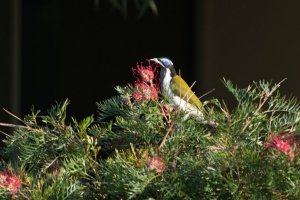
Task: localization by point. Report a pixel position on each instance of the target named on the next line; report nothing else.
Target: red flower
(12, 183)
(144, 74)
(155, 163)
(145, 87)
(284, 143)
(143, 91)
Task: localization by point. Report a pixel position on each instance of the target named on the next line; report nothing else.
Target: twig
(15, 126)
(4, 133)
(165, 138)
(13, 115)
(190, 90)
(207, 93)
(51, 163)
(225, 110)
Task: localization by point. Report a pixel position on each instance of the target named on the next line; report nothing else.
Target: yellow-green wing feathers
(181, 88)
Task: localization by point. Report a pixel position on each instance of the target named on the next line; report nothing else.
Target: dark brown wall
(251, 40)
(4, 57)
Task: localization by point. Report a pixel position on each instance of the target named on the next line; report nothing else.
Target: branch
(15, 126)
(262, 102)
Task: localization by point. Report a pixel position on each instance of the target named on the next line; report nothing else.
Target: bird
(177, 90)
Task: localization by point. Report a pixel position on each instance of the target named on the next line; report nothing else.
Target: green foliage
(58, 158)
(123, 175)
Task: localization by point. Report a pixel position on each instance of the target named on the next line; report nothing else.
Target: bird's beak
(157, 62)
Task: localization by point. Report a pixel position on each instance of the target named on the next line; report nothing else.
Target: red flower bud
(155, 163)
(284, 143)
(12, 183)
(142, 91)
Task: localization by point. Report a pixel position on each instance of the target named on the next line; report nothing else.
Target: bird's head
(165, 64)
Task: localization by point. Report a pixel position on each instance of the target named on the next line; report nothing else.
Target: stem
(165, 138)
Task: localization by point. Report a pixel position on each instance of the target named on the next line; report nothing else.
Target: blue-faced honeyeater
(177, 90)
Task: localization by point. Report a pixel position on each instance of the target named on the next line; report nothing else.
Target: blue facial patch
(166, 62)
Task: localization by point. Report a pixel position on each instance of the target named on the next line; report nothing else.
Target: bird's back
(181, 88)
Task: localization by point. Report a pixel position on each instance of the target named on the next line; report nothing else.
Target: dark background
(81, 53)
(53, 49)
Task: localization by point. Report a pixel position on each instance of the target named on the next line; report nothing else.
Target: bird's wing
(181, 88)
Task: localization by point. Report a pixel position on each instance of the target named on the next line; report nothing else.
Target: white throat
(166, 78)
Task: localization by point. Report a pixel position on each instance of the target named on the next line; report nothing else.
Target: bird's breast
(166, 85)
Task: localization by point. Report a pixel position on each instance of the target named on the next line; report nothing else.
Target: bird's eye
(166, 62)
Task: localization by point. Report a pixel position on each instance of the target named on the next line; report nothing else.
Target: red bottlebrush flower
(143, 91)
(145, 87)
(9, 181)
(155, 163)
(145, 74)
(284, 143)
